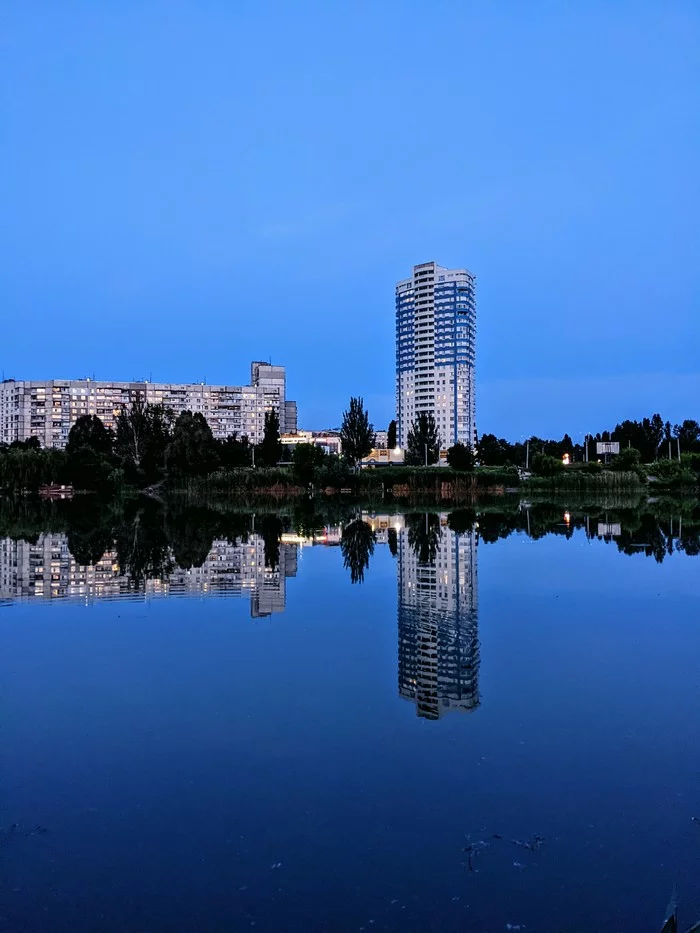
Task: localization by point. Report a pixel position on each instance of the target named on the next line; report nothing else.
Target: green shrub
(628, 459)
(543, 465)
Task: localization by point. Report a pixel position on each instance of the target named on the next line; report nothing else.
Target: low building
(48, 409)
(380, 456)
(328, 441)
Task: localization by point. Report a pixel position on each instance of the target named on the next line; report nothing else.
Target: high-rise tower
(435, 346)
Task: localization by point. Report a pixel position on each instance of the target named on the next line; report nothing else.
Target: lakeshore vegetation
(150, 449)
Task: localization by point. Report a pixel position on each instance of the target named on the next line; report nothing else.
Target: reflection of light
(566, 459)
(567, 517)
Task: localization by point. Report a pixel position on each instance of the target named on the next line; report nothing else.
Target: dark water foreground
(416, 722)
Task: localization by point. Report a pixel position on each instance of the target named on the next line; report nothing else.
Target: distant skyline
(187, 188)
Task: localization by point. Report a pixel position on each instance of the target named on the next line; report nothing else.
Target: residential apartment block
(435, 352)
(48, 409)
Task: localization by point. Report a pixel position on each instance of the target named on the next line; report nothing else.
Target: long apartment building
(48, 409)
(435, 352)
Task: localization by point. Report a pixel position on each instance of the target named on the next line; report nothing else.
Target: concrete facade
(435, 352)
(48, 409)
(328, 441)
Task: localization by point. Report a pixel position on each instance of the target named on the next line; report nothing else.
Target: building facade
(438, 619)
(48, 409)
(328, 441)
(435, 352)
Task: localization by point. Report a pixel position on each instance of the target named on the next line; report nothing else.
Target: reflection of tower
(270, 593)
(438, 625)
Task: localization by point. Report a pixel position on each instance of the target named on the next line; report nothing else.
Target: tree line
(653, 437)
(150, 444)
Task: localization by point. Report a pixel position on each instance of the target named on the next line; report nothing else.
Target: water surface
(485, 728)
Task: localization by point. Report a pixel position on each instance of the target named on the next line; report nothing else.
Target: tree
(356, 432)
(656, 432)
(32, 443)
(492, 451)
(89, 431)
(269, 450)
(87, 469)
(192, 450)
(142, 436)
(646, 435)
(234, 452)
(391, 441)
(423, 441)
(28, 468)
(688, 436)
(308, 459)
(461, 457)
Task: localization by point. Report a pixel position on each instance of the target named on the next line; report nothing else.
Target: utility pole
(678, 442)
(252, 450)
(426, 454)
(585, 444)
(527, 458)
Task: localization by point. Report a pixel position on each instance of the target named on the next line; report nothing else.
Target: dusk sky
(189, 186)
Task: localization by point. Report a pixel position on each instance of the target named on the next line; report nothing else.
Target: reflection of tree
(462, 521)
(392, 537)
(142, 545)
(307, 521)
(648, 538)
(689, 543)
(191, 532)
(270, 528)
(235, 526)
(89, 536)
(424, 535)
(357, 545)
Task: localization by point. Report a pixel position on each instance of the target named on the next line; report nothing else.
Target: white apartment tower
(435, 347)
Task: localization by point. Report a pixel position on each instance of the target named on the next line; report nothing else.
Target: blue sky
(189, 186)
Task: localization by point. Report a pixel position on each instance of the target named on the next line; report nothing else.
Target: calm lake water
(399, 722)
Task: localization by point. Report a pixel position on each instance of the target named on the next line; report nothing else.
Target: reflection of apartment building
(48, 570)
(47, 410)
(438, 625)
(381, 525)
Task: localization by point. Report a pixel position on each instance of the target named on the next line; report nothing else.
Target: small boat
(56, 492)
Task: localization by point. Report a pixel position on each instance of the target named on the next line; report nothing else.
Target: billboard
(607, 447)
